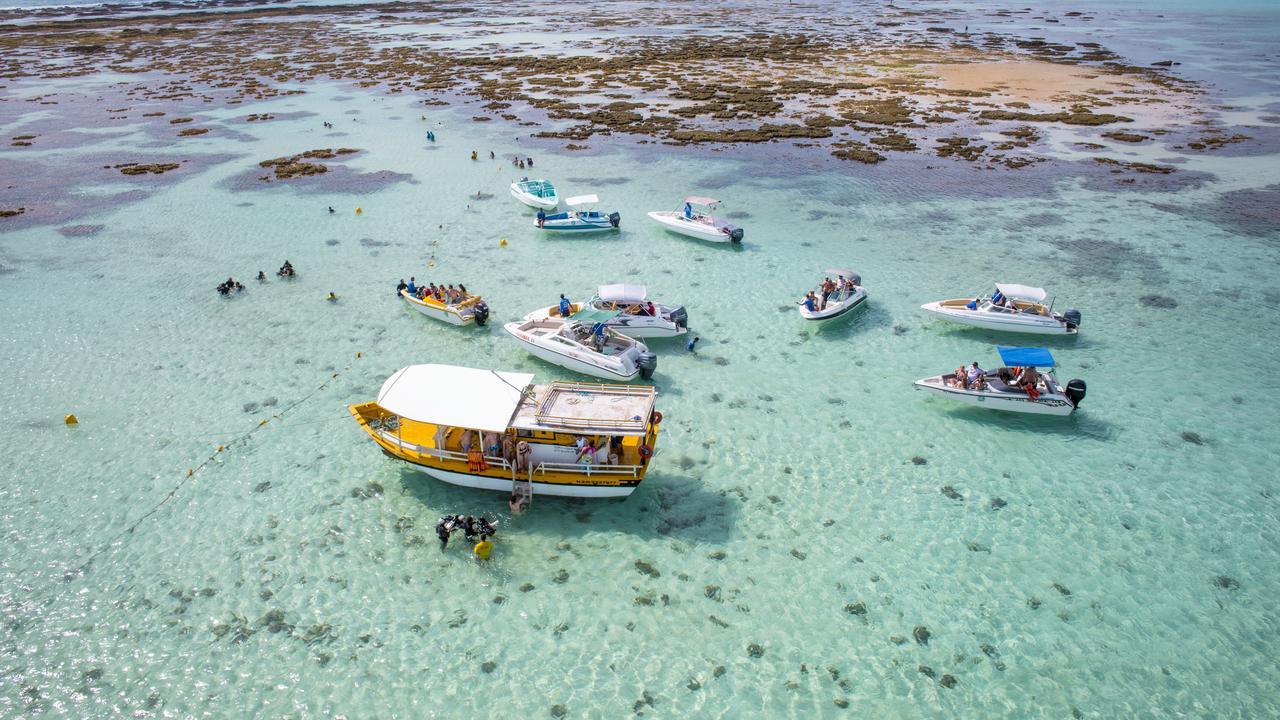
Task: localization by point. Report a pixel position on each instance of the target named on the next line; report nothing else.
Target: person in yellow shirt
(483, 548)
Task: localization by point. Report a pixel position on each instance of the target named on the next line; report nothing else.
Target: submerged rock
(755, 650)
(947, 681)
(950, 492)
(1062, 589)
(1226, 583)
(997, 503)
(856, 608)
(921, 634)
(925, 670)
(917, 460)
(647, 568)
(1192, 437)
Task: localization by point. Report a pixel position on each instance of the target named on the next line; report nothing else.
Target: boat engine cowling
(647, 362)
(735, 235)
(1075, 392)
(481, 313)
(615, 219)
(680, 317)
(1072, 318)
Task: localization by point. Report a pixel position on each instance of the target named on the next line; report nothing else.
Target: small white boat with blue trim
(1026, 384)
(632, 314)
(583, 343)
(847, 295)
(535, 193)
(1011, 308)
(578, 221)
(696, 221)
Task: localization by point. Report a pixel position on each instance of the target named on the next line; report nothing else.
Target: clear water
(784, 494)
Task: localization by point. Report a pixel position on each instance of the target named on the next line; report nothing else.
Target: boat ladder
(522, 488)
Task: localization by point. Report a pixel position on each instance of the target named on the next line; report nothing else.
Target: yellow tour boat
(497, 431)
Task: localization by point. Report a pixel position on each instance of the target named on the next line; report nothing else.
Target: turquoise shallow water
(1117, 563)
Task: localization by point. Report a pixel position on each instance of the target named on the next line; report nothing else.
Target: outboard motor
(1072, 318)
(735, 235)
(647, 362)
(1075, 392)
(680, 317)
(614, 219)
(481, 313)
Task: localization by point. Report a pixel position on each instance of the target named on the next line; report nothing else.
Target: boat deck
(587, 407)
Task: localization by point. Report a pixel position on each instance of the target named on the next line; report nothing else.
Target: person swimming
(401, 287)
(262, 276)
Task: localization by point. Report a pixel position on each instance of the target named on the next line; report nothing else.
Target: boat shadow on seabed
(665, 505)
(1079, 424)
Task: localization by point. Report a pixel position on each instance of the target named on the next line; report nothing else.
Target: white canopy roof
(455, 396)
(699, 200)
(583, 200)
(623, 293)
(1021, 292)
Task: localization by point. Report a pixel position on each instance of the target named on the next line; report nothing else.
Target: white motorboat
(579, 220)
(539, 194)
(1006, 388)
(696, 221)
(628, 310)
(848, 295)
(586, 347)
(1011, 308)
(472, 309)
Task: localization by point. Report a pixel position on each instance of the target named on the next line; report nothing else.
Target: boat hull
(483, 482)
(570, 362)
(443, 314)
(1046, 404)
(574, 227)
(677, 223)
(1001, 322)
(633, 326)
(839, 310)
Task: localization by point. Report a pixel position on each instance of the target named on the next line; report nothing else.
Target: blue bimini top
(1026, 357)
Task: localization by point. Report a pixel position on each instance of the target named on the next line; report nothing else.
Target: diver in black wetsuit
(444, 528)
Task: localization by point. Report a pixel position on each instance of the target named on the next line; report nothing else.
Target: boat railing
(587, 469)
(421, 452)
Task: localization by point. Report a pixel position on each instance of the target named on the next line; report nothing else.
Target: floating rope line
(191, 472)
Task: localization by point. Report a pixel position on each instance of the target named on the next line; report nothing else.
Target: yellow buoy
(71, 419)
(264, 422)
(359, 211)
(190, 472)
(502, 242)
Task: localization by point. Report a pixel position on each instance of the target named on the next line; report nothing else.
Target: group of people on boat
(446, 294)
(477, 531)
(970, 378)
(1026, 379)
(816, 301)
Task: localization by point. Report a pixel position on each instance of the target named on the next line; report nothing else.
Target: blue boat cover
(1026, 357)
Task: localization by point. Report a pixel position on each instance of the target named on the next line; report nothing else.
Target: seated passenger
(976, 377)
(959, 379)
(412, 287)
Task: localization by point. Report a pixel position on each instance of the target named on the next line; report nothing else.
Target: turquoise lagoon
(808, 512)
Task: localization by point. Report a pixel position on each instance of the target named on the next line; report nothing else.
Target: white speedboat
(472, 309)
(628, 310)
(696, 221)
(1006, 388)
(535, 193)
(1011, 308)
(848, 295)
(573, 344)
(579, 221)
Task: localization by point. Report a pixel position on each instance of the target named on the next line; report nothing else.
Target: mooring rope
(193, 471)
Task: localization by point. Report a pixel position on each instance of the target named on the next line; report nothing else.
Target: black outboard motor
(735, 235)
(680, 317)
(1075, 392)
(1072, 318)
(481, 313)
(647, 362)
(614, 219)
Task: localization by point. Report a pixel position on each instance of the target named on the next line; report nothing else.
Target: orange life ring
(646, 451)
(657, 418)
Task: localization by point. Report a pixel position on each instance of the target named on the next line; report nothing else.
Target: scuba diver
(444, 529)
